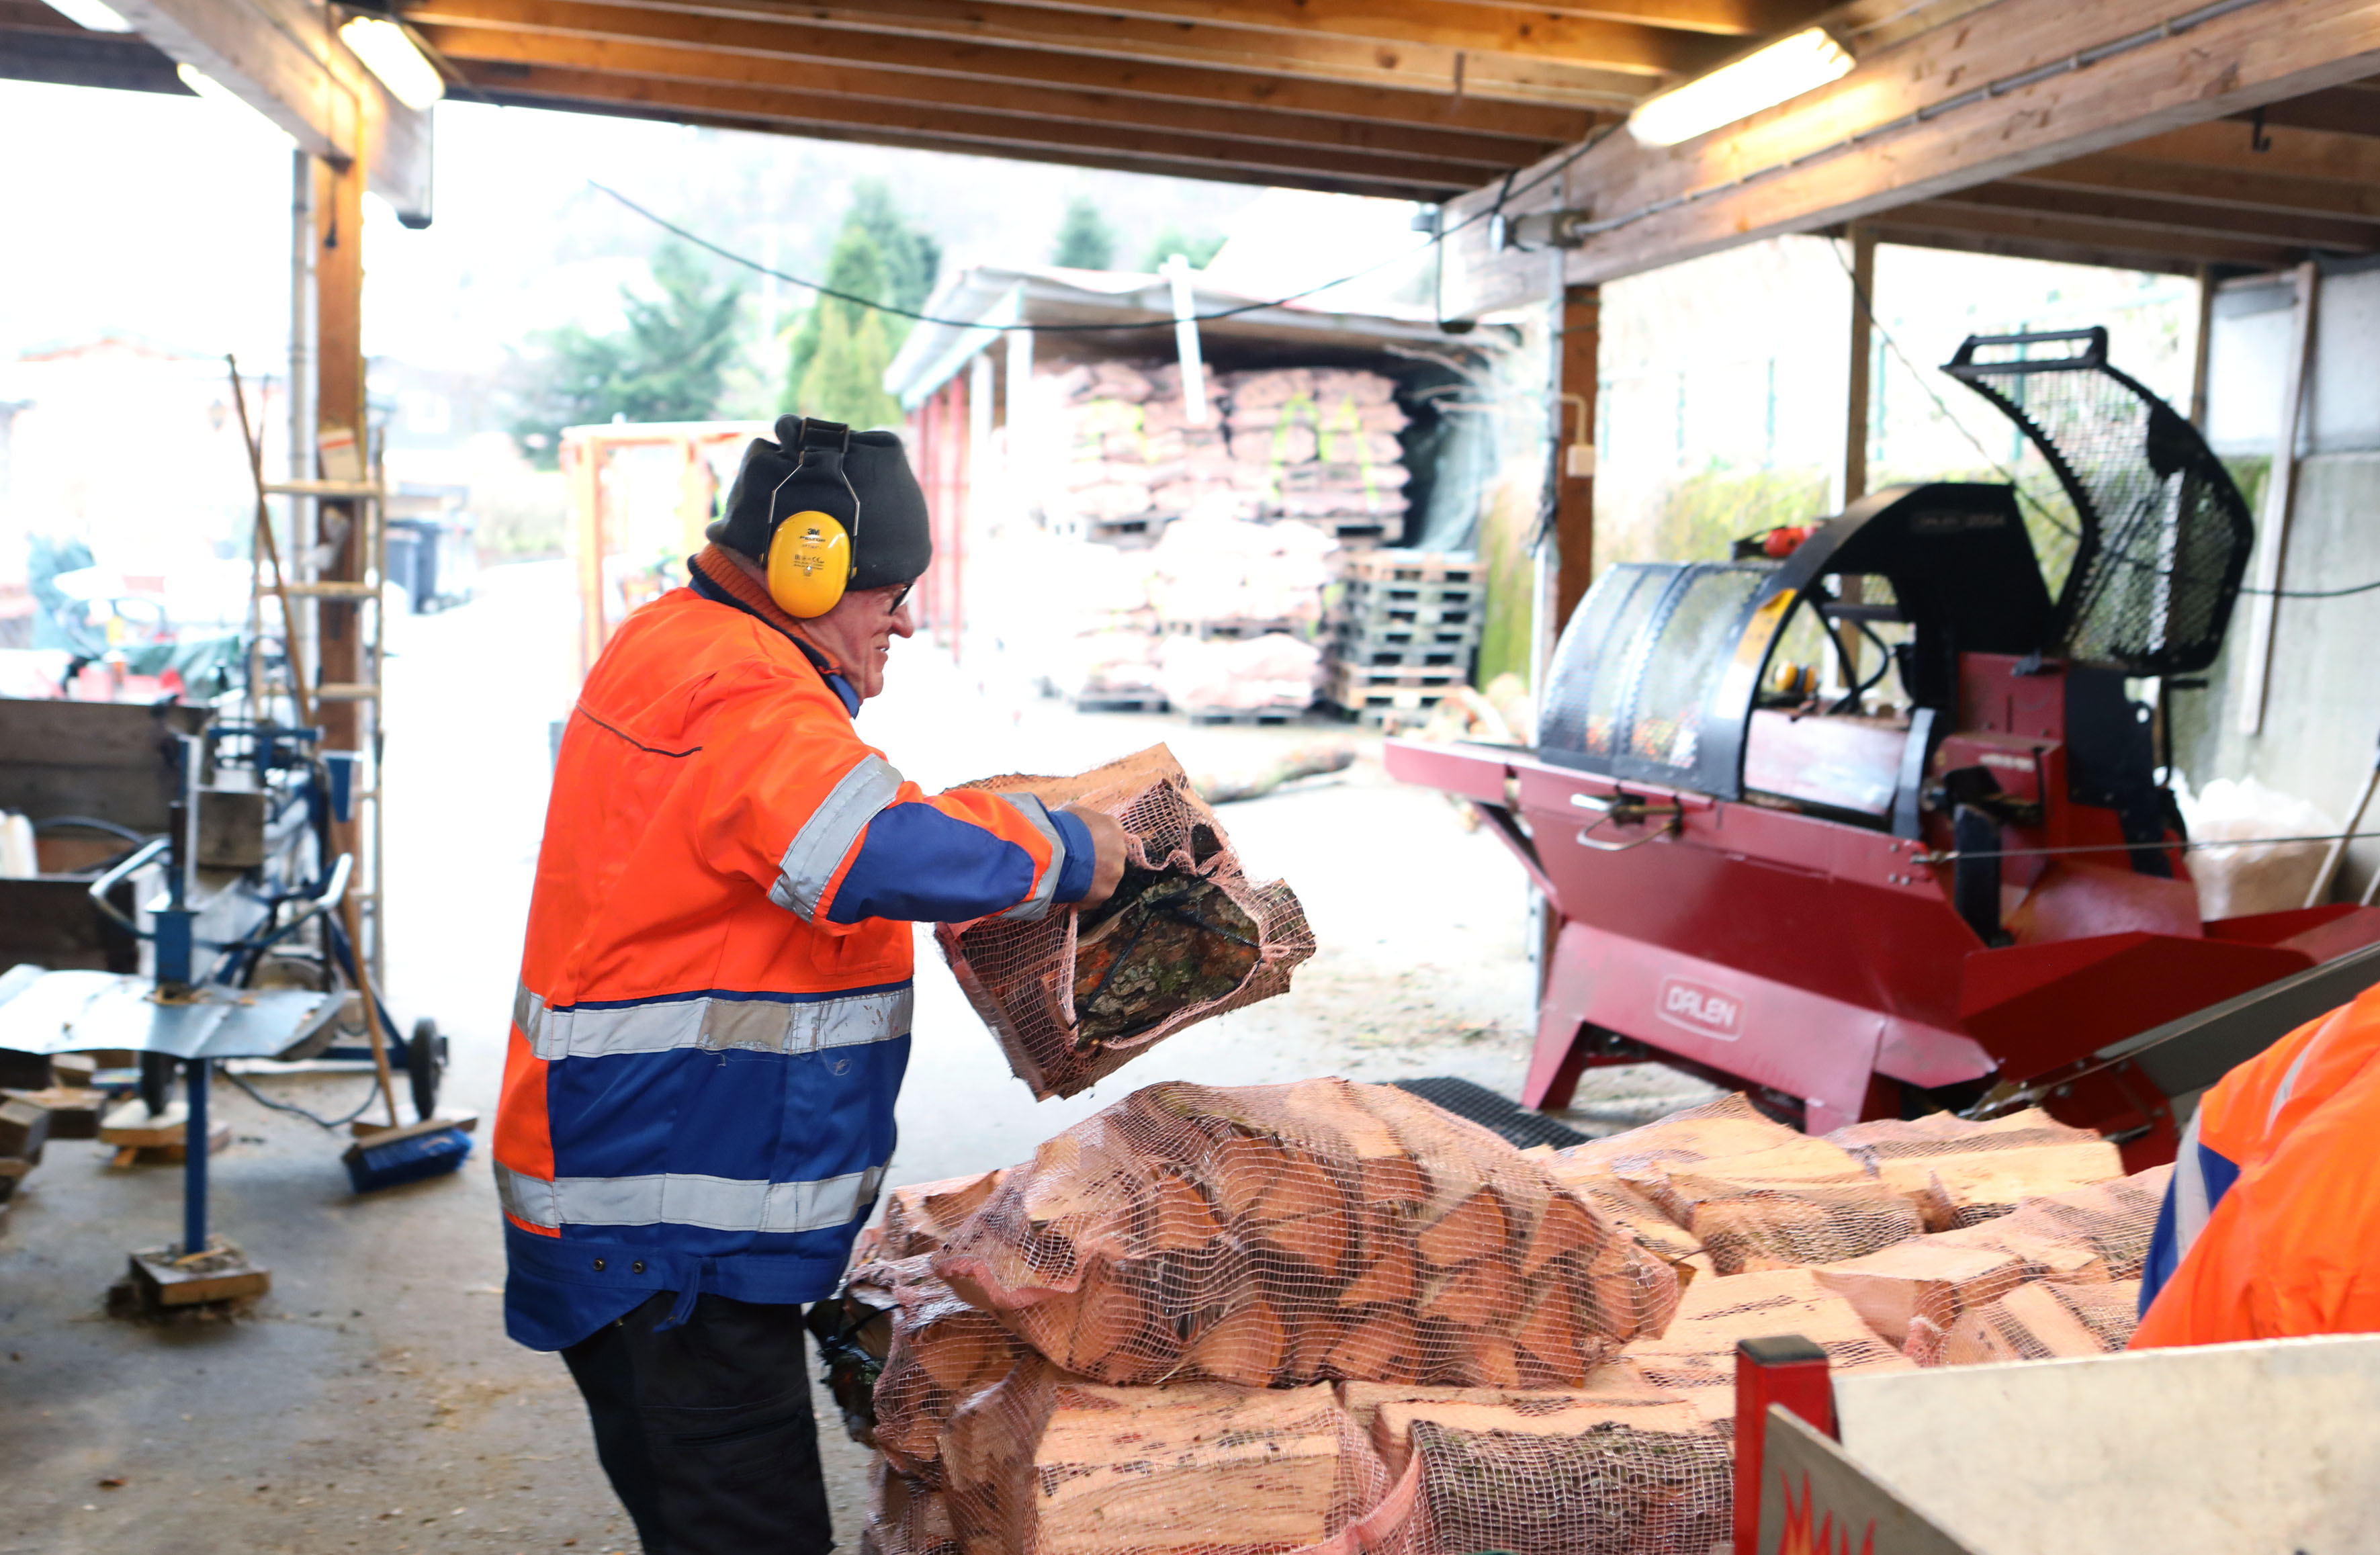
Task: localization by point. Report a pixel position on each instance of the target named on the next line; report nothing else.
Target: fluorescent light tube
(1785, 69)
(95, 16)
(390, 54)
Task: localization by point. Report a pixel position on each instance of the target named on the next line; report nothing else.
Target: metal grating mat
(1478, 1104)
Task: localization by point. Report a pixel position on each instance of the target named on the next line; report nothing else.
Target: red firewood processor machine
(1951, 878)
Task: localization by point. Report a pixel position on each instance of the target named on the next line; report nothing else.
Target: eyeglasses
(893, 607)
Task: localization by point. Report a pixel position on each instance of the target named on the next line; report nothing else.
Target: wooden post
(2273, 524)
(1863, 342)
(1790, 1371)
(339, 402)
(1577, 354)
(2198, 354)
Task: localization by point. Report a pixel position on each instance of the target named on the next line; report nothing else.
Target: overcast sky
(167, 218)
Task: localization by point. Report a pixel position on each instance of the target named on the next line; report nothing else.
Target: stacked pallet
(1328, 1319)
(1403, 631)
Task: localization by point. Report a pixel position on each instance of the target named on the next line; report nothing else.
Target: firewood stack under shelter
(1332, 1317)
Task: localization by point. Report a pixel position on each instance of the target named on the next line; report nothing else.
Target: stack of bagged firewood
(1324, 442)
(1332, 1318)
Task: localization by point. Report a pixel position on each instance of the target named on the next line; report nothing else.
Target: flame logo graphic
(1800, 1538)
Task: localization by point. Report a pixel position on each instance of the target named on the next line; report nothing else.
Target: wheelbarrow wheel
(425, 1065)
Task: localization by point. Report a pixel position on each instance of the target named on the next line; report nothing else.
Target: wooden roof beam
(2008, 246)
(1960, 106)
(726, 24)
(1627, 34)
(2344, 110)
(2175, 217)
(1315, 55)
(1263, 140)
(2220, 189)
(2108, 237)
(961, 130)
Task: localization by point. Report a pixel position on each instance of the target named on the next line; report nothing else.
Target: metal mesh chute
(2161, 535)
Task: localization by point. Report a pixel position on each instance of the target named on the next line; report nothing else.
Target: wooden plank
(64, 56)
(1580, 352)
(746, 61)
(1269, 54)
(2344, 110)
(1455, 121)
(2157, 218)
(2106, 237)
(284, 58)
(2031, 248)
(1481, 28)
(1798, 167)
(952, 130)
(2220, 189)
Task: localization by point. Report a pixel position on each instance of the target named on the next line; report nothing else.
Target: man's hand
(1107, 842)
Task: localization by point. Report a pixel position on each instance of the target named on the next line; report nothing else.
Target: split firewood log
(919, 1217)
(1729, 1126)
(1043, 1465)
(1384, 1412)
(1284, 1234)
(1629, 1210)
(2044, 1320)
(1890, 1288)
(939, 1352)
(905, 1516)
(1961, 1172)
(1744, 1229)
(1646, 1486)
(1695, 1355)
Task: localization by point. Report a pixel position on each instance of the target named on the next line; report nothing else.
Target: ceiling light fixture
(389, 53)
(1785, 69)
(93, 15)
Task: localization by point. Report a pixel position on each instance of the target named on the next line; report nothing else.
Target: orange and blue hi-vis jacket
(2271, 1227)
(713, 1014)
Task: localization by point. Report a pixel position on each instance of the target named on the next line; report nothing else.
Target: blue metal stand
(194, 1156)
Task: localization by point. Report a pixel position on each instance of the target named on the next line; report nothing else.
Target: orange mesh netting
(904, 1517)
(1696, 1355)
(918, 1218)
(1047, 1465)
(1961, 1173)
(2085, 1236)
(1076, 996)
(2042, 1322)
(1289, 1234)
(940, 1352)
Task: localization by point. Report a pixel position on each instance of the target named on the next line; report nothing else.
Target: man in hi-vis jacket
(714, 1014)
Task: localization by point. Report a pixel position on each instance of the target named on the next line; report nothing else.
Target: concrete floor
(371, 1401)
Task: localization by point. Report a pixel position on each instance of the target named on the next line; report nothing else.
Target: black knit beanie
(893, 540)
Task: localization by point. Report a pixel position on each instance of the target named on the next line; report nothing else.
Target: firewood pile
(1073, 996)
(1244, 523)
(1330, 1318)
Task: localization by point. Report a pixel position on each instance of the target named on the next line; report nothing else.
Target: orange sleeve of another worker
(2294, 1247)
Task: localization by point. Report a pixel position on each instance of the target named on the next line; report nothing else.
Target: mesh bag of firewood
(1611, 1488)
(918, 1218)
(937, 1353)
(1073, 996)
(2045, 1320)
(2092, 1236)
(904, 1516)
(1288, 1233)
(1695, 1355)
(1961, 1172)
(1047, 1465)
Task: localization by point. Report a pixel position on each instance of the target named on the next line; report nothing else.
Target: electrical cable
(371, 1096)
(1437, 239)
(1925, 382)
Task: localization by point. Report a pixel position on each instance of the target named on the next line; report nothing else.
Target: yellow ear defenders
(813, 554)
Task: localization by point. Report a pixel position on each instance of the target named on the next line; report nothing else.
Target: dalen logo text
(1698, 1007)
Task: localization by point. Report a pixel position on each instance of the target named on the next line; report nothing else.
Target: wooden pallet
(1364, 596)
(1348, 632)
(1360, 532)
(1352, 679)
(1119, 701)
(1414, 656)
(1415, 567)
(1279, 714)
(1388, 719)
(1234, 631)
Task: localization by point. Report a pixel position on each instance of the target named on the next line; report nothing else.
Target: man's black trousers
(706, 1430)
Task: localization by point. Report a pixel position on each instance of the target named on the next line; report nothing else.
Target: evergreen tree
(1168, 243)
(668, 364)
(880, 255)
(842, 378)
(1085, 239)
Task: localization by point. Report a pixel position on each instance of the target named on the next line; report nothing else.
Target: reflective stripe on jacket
(2271, 1226)
(713, 1015)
